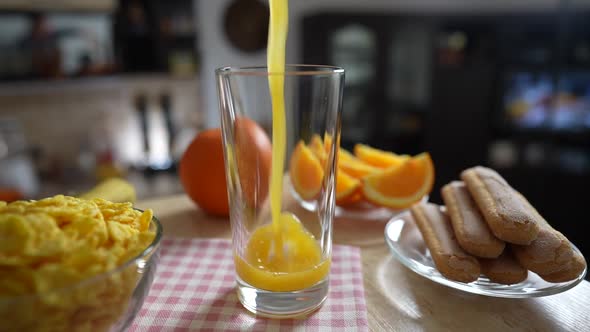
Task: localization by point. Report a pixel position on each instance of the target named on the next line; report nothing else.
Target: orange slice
(401, 186)
(306, 172)
(317, 147)
(345, 156)
(352, 199)
(346, 187)
(353, 166)
(327, 142)
(321, 149)
(376, 157)
(358, 169)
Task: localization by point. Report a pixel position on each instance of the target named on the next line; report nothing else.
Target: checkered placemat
(194, 290)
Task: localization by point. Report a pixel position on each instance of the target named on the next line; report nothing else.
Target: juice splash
(300, 265)
(281, 256)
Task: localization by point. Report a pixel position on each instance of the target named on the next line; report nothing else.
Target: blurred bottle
(136, 34)
(18, 177)
(166, 107)
(106, 165)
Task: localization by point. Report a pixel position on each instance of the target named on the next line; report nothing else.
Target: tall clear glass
(282, 265)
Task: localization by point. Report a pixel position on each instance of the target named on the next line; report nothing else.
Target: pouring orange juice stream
(283, 255)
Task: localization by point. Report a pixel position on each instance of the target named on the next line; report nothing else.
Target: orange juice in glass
(282, 251)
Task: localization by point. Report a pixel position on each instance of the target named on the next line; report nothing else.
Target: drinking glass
(281, 267)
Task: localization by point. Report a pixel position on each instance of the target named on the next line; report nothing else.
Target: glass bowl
(105, 302)
(406, 244)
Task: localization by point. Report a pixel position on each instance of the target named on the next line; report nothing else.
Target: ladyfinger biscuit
(575, 267)
(550, 252)
(472, 231)
(508, 217)
(504, 269)
(450, 260)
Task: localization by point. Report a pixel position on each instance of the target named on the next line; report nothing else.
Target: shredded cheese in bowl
(69, 264)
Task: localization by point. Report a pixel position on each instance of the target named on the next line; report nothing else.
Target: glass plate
(405, 241)
(367, 211)
(357, 211)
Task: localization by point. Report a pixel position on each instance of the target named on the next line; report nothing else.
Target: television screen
(572, 103)
(542, 101)
(527, 99)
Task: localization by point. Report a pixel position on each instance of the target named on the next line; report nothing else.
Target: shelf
(92, 84)
(58, 5)
(544, 136)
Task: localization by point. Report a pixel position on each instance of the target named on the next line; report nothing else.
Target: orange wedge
(376, 157)
(306, 172)
(357, 168)
(317, 147)
(345, 156)
(352, 199)
(401, 186)
(346, 187)
(327, 142)
(354, 166)
(321, 149)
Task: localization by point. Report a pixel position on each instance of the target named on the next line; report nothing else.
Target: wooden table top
(397, 298)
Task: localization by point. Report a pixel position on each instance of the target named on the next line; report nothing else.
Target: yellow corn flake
(144, 220)
(89, 261)
(116, 211)
(92, 231)
(29, 242)
(16, 281)
(53, 276)
(48, 246)
(61, 240)
(12, 233)
(121, 232)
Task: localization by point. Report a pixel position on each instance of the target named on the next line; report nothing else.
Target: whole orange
(253, 153)
(202, 167)
(202, 173)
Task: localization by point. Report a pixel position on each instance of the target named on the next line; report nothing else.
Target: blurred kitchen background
(99, 88)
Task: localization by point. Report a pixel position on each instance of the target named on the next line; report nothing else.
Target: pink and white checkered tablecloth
(194, 290)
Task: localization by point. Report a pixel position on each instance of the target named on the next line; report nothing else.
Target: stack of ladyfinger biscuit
(489, 228)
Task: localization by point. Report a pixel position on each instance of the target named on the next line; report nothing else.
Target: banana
(113, 189)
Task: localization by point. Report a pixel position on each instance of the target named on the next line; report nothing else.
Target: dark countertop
(146, 186)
